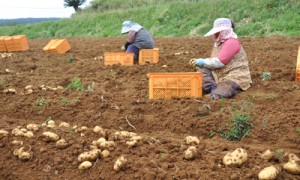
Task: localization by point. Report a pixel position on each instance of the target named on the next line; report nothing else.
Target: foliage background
(170, 18)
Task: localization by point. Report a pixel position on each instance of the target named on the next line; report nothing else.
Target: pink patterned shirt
(230, 47)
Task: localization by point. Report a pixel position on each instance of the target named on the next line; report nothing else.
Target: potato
(120, 164)
(51, 124)
(33, 127)
(17, 132)
(49, 137)
(293, 157)
(268, 173)
(3, 133)
(235, 158)
(192, 140)
(85, 165)
(120, 135)
(267, 155)
(16, 142)
(89, 156)
(29, 134)
(190, 153)
(99, 130)
(22, 154)
(64, 125)
(105, 153)
(131, 143)
(292, 167)
(61, 144)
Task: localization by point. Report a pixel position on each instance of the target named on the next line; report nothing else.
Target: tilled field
(115, 98)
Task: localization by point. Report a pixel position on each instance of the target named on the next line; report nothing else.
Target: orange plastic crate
(122, 58)
(148, 56)
(298, 75)
(2, 44)
(168, 85)
(298, 67)
(16, 43)
(59, 46)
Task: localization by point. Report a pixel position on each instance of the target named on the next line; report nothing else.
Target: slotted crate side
(148, 56)
(298, 66)
(168, 85)
(49, 45)
(60, 46)
(2, 44)
(123, 58)
(298, 75)
(9, 43)
(63, 46)
(20, 43)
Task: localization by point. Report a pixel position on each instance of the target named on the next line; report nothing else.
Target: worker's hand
(197, 62)
(123, 48)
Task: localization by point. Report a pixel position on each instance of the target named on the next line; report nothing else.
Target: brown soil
(119, 101)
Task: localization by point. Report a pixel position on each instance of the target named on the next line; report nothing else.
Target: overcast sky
(10, 9)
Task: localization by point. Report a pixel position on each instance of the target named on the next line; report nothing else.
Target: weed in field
(90, 88)
(298, 131)
(48, 119)
(264, 123)
(266, 76)
(112, 73)
(2, 82)
(66, 101)
(280, 154)
(41, 102)
(75, 85)
(70, 60)
(241, 122)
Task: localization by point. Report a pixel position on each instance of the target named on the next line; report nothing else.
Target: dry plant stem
(129, 123)
(199, 101)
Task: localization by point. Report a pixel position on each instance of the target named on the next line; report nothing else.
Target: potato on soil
(17, 143)
(64, 125)
(268, 173)
(33, 127)
(235, 158)
(99, 130)
(190, 153)
(267, 155)
(85, 165)
(192, 140)
(90, 155)
(3, 133)
(121, 135)
(49, 137)
(120, 164)
(61, 144)
(23, 154)
(293, 166)
(105, 153)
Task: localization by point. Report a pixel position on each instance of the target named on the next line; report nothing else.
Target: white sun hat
(220, 24)
(130, 26)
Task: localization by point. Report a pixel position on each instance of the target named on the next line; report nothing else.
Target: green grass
(76, 84)
(166, 18)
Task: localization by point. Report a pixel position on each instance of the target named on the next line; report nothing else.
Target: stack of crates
(59, 46)
(14, 43)
(122, 58)
(298, 67)
(168, 85)
(148, 56)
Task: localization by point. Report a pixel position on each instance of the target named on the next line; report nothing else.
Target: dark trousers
(223, 89)
(133, 49)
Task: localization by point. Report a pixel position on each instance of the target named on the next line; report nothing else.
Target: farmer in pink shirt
(226, 72)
